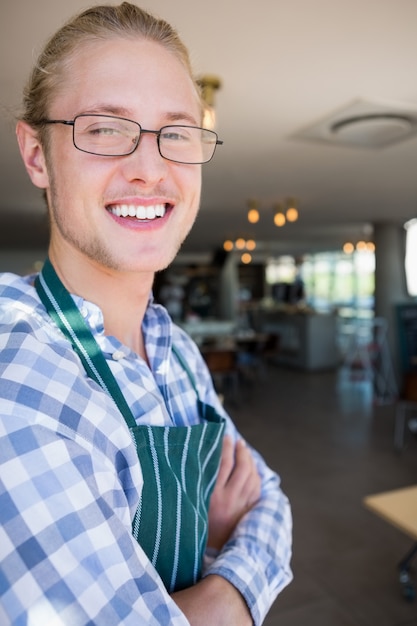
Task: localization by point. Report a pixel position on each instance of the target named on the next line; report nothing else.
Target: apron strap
(185, 367)
(62, 309)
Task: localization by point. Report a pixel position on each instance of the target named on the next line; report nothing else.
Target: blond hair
(99, 22)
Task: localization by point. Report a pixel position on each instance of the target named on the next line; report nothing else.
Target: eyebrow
(106, 109)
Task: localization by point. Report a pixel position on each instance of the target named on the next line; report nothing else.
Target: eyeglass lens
(113, 136)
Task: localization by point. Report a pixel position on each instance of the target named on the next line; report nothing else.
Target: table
(308, 341)
(399, 508)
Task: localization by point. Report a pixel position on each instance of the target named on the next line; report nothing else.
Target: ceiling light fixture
(209, 84)
(253, 212)
(284, 212)
(292, 211)
(239, 244)
(279, 217)
(361, 246)
(365, 123)
(373, 129)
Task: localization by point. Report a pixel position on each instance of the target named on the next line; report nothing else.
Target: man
(111, 432)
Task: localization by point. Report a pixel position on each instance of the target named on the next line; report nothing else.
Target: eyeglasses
(107, 135)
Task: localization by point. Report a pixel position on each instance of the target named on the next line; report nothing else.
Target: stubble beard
(91, 246)
(60, 221)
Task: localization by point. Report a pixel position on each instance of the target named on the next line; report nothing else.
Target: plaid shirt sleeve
(256, 559)
(69, 483)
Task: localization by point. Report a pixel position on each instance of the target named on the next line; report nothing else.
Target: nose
(146, 163)
(144, 131)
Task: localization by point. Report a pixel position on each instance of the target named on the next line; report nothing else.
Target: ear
(32, 154)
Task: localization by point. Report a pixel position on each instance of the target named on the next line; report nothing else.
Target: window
(332, 280)
(411, 256)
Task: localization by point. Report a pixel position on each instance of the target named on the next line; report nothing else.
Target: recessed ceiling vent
(365, 124)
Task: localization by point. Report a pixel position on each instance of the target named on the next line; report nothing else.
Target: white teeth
(140, 212)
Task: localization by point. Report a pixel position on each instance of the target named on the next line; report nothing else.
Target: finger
(244, 467)
(249, 490)
(253, 488)
(226, 461)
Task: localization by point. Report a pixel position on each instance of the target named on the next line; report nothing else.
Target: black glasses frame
(142, 131)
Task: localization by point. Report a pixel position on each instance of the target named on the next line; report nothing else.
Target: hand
(237, 489)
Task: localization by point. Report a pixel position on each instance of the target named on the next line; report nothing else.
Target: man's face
(144, 82)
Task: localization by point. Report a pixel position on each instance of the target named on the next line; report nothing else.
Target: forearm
(256, 559)
(54, 519)
(213, 600)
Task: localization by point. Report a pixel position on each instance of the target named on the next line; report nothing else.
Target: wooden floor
(332, 446)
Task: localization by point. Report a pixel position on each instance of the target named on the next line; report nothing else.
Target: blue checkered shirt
(70, 478)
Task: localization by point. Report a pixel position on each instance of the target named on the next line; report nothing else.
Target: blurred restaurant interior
(299, 279)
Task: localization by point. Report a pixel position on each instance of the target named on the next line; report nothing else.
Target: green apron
(179, 463)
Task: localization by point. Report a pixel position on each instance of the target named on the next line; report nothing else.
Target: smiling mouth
(139, 212)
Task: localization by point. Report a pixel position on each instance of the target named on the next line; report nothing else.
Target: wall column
(228, 289)
(390, 282)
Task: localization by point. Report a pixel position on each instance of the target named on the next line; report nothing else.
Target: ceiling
(285, 65)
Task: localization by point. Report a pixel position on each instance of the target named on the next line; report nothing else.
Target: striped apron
(179, 463)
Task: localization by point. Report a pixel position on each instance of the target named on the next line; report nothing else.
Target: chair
(256, 352)
(267, 351)
(222, 364)
(369, 356)
(406, 405)
(407, 586)
(271, 347)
